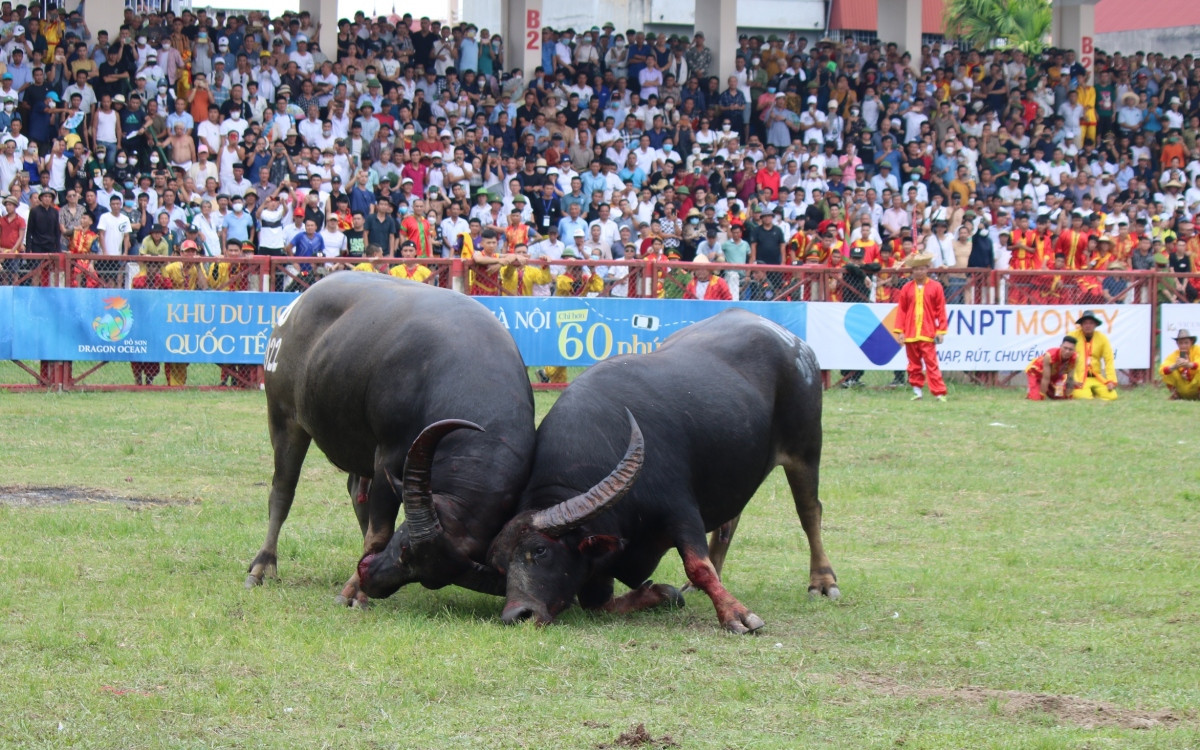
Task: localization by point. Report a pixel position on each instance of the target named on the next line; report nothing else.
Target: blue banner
(141, 325)
(147, 325)
(6, 327)
(581, 331)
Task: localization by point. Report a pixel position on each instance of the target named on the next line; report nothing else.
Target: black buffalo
(378, 371)
(720, 404)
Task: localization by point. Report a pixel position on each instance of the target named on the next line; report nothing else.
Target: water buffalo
(720, 404)
(378, 372)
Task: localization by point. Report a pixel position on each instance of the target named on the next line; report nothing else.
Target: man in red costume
(1073, 243)
(706, 286)
(920, 325)
(1051, 376)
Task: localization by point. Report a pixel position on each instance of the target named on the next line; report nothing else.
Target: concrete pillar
(104, 15)
(717, 20)
(522, 31)
(325, 12)
(900, 22)
(1074, 27)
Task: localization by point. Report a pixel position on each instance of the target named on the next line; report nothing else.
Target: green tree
(1019, 24)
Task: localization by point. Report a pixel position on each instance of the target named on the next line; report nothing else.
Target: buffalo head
(548, 554)
(420, 551)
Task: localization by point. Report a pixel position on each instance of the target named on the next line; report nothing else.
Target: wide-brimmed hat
(1089, 315)
(1185, 334)
(924, 260)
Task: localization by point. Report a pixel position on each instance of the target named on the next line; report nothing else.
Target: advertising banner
(981, 338)
(585, 330)
(234, 328)
(145, 325)
(6, 327)
(1174, 318)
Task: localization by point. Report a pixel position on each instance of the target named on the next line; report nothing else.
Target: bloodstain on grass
(637, 736)
(1066, 709)
(27, 496)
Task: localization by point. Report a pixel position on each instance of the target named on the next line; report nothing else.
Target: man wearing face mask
(238, 224)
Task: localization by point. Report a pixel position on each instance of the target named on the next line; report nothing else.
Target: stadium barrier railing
(640, 278)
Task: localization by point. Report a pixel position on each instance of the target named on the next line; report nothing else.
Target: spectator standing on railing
(1051, 375)
(921, 324)
(1181, 368)
(116, 233)
(1095, 373)
(187, 275)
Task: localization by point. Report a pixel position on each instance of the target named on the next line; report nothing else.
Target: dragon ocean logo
(872, 335)
(115, 323)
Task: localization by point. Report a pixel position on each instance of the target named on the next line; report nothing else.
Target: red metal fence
(645, 278)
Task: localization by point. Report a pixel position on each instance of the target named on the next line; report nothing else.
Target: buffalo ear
(600, 544)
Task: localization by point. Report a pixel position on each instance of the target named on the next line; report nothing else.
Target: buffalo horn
(417, 496)
(570, 514)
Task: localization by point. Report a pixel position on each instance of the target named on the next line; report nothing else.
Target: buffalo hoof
(672, 597)
(357, 600)
(744, 623)
(263, 567)
(830, 591)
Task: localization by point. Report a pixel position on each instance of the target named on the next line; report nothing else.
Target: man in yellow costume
(1181, 368)
(1095, 370)
(1090, 119)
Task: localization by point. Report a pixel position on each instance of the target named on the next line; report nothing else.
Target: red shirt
(921, 311)
(769, 180)
(717, 289)
(11, 226)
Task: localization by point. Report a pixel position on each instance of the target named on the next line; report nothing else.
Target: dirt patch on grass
(638, 737)
(40, 497)
(1066, 709)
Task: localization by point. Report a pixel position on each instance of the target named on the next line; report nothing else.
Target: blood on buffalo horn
(570, 514)
(422, 521)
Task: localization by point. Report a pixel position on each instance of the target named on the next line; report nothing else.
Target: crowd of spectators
(203, 131)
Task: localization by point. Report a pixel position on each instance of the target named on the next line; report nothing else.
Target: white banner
(981, 338)
(1174, 318)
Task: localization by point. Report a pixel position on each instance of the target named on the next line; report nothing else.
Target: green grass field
(1014, 575)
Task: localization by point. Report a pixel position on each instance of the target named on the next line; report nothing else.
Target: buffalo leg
(719, 541)
(647, 595)
(821, 578)
(382, 507)
(718, 547)
(291, 446)
(702, 573)
(359, 487)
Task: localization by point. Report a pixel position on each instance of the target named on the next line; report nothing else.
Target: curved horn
(415, 492)
(569, 514)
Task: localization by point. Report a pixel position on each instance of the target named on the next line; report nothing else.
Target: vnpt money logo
(871, 335)
(116, 321)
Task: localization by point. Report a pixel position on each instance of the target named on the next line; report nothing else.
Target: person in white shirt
(208, 224)
(302, 57)
(551, 249)
(913, 119)
(940, 245)
(453, 227)
(335, 241)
